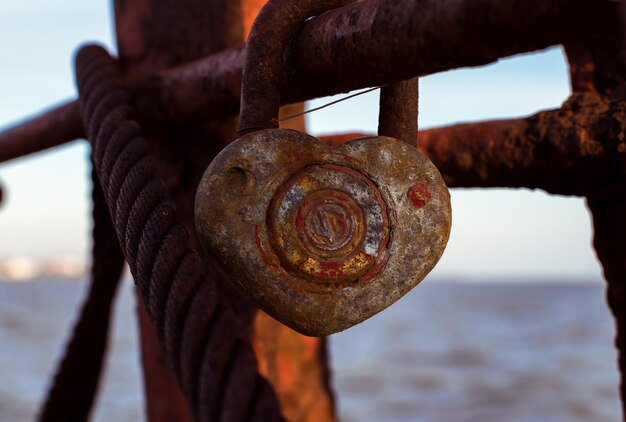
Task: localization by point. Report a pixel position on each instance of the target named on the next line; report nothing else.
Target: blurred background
(510, 326)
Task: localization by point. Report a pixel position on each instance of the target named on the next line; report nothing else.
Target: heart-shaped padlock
(320, 238)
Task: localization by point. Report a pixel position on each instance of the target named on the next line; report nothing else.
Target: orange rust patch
(419, 195)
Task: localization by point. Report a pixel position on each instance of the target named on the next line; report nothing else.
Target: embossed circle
(329, 224)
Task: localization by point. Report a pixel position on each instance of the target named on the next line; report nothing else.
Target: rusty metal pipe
(609, 232)
(55, 127)
(377, 42)
(575, 150)
(368, 43)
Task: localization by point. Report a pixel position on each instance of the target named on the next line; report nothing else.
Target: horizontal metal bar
(368, 43)
(52, 128)
(377, 42)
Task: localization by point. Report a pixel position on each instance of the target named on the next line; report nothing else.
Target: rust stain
(419, 195)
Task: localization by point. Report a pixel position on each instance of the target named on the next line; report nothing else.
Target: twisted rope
(76, 382)
(215, 367)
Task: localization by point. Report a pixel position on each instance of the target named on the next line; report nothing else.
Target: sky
(496, 234)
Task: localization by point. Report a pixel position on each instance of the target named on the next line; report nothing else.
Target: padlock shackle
(397, 117)
(274, 26)
(263, 68)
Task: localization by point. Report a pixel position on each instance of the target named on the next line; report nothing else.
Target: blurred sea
(446, 352)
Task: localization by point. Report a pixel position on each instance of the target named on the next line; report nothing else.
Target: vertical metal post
(609, 241)
(153, 35)
(600, 67)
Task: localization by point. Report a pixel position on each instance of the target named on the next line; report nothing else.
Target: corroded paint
(259, 246)
(328, 223)
(419, 195)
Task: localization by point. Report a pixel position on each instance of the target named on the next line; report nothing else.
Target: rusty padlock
(320, 238)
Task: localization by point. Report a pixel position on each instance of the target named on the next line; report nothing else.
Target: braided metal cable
(76, 382)
(215, 367)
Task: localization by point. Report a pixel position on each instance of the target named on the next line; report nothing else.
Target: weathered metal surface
(190, 91)
(297, 366)
(398, 110)
(609, 235)
(183, 154)
(335, 52)
(404, 36)
(567, 151)
(322, 238)
(265, 58)
(56, 127)
(577, 150)
(152, 35)
(600, 68)
(204, 340)
(163, 399)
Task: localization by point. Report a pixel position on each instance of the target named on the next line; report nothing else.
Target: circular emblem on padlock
(328, 224)
(320, 238)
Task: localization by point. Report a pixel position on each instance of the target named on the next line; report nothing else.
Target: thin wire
(293, 116)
